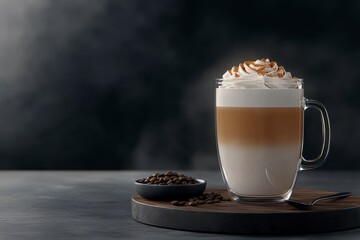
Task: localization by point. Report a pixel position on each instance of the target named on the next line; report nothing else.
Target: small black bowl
(170, 192)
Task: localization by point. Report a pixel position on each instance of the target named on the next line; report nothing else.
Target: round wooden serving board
(232, 217)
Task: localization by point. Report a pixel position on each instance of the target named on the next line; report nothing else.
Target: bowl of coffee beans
(169, 185)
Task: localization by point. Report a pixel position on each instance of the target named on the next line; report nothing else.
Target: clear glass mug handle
(318, 161)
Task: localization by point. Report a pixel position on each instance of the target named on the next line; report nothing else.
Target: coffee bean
(205, 198)
(176, 203)
(193, 204)
(167, 178)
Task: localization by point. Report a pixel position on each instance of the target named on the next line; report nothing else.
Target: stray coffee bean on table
(206, 198)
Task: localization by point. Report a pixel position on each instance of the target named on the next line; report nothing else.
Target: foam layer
(259, 97)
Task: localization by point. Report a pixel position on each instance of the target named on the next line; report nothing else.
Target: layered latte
(259, 121)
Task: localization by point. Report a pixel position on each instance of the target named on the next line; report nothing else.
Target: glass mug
(260, 139)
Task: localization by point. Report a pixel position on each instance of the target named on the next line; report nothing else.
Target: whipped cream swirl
(261, 73)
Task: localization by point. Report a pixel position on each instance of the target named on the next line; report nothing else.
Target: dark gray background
(129, 84)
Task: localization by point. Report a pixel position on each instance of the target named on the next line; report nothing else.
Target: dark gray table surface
(97, 205)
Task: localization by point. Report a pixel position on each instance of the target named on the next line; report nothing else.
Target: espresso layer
(259, 126)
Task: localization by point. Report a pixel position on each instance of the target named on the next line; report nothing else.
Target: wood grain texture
(232, 217)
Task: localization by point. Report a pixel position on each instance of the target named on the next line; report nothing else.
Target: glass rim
(278, 83)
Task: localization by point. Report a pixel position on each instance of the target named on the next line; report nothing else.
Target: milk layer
(260, 170)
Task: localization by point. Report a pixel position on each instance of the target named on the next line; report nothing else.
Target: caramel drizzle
(260, 69)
